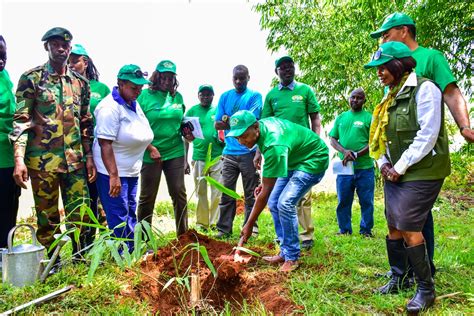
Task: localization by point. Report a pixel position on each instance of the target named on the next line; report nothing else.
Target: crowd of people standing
(68, 133)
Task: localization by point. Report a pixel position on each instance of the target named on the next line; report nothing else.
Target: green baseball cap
(133, 74)
(387, 52)
(166, 66)
(282, 59)
(240, 121)
(78, 49)
(394, 19)
(206, 87)
(58, 32)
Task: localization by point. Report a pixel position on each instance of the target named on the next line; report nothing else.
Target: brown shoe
(289, 266)
(274, 259)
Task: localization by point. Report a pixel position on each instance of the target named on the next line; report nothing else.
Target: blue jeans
(363, 181)
(121, 208)
(282, 203)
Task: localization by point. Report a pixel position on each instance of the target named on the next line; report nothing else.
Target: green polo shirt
(291, 104)
(431, 64)
(351, 129)
(287, 146)
(206, 117)
(7, 109)
(165, 114)
(98, 92)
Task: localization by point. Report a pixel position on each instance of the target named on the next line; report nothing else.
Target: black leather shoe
(307, 244)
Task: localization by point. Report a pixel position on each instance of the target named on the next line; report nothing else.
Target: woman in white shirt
(409, 141)
(122, 134)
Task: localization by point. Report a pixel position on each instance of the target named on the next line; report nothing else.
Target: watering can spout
(50, 262)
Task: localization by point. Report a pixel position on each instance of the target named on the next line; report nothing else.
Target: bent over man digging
(295, 159)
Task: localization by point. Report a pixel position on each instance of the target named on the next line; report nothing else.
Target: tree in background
(330, 41)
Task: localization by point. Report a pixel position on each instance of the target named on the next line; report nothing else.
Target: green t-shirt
(206, 119)
(98, 92)
(287, 146)
(431, 64)
(7, 109)
(351, 129)
(165, 114)
(293, 105)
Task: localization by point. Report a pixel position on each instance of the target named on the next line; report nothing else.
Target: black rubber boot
(425, 292)
(398, 260)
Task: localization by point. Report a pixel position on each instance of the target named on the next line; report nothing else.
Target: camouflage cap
(58, 32)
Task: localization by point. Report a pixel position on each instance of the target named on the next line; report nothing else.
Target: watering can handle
(12, 232)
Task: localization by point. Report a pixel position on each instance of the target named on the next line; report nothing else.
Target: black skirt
(407, 204)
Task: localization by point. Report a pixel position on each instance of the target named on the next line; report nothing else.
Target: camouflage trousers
(74, 193)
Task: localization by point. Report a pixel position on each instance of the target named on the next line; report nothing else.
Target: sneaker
(307, 244)
(367, 235)
(289, 266)
(339, 233)
(222, 235)
(274, 259)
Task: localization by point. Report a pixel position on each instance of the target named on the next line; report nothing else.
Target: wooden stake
(195, 290)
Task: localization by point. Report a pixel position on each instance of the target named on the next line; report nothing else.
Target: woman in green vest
(81, 62)
(164, 108)
(409, 141)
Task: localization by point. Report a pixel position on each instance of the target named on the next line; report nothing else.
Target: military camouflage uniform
(51, 127)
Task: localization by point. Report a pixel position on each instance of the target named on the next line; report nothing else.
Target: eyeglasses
(379, 54)
(138, 73)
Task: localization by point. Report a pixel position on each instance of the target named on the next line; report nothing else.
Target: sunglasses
(138, 73)
(379, 54)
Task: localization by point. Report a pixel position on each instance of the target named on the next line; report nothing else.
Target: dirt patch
(234, 283)
(240, 207)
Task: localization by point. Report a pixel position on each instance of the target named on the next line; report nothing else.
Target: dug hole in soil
(235, 282)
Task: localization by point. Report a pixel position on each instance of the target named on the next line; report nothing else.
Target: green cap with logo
(205, 87)
(57, 32)
(240, 121)
(387, 52)
(134, 74)
(279, 61)
(393, 20)
(166, 66)
(78, 49)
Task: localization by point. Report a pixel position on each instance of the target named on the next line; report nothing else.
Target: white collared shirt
(428, 109)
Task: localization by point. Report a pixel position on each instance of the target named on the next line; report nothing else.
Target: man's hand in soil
(245, 233)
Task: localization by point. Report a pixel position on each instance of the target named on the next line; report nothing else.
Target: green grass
(336, 277)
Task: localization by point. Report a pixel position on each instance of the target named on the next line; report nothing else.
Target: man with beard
(350, 137)
(51, 137)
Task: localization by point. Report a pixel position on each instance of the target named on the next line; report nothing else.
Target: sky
(205, 39)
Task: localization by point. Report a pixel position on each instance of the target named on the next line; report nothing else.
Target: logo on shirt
(95, 95)
(358, 124)
(176, 106)
(297, 98)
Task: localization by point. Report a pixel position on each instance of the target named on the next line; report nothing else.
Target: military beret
(58, 32)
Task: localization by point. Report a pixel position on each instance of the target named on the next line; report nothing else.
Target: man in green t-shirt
(207, 212)
(350, 137)
(296, 102)
(431, 64)
(295, 159)
(9, 191)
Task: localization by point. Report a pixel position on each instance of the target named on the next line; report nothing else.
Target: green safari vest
(401, 130)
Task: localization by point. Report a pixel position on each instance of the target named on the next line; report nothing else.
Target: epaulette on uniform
(37, 68)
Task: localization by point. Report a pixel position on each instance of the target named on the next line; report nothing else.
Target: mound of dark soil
(234, 283)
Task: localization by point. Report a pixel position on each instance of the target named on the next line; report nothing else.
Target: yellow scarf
(378, 136)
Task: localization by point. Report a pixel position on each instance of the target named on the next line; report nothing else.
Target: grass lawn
(336, 277)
